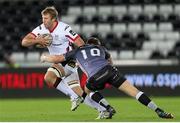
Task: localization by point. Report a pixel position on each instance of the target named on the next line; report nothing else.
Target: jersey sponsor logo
(72, 64)
(56, 37)
(56, 44)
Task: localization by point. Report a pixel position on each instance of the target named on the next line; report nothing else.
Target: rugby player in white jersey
(62, 76)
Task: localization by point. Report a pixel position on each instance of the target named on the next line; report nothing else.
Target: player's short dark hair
(50, 10)
(93, 40)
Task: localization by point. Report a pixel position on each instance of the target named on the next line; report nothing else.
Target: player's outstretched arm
(52, 58)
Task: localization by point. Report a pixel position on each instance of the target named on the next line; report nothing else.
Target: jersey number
(93, 52)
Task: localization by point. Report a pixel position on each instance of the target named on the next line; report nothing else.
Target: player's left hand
(43, 58)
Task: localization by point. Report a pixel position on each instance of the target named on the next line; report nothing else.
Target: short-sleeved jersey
(62, 35)
(91, 58)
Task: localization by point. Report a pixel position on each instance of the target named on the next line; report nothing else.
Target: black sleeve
(70, 55)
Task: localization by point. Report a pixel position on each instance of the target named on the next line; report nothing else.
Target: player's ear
(53, 19)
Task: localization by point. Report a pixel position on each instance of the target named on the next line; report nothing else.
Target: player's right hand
(42, 41)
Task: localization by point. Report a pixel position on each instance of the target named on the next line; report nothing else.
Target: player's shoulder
(40, 27)
(64, 25)
(40, 30)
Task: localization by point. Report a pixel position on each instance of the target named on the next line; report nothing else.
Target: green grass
(58, 110)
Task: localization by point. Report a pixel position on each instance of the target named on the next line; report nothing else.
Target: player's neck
(54, 25)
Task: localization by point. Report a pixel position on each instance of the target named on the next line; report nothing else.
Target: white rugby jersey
(62, 37)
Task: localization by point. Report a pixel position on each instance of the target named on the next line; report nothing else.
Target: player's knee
(54, 72)
(87, 90)
(50, 78)
(57, 70)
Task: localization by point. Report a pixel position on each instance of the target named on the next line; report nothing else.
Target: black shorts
(108, 74)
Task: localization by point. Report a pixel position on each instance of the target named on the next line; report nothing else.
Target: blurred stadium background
(143, 37)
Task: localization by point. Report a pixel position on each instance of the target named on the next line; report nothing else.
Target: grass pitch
(58, 110)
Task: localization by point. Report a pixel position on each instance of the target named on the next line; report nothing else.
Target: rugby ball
(45, 36)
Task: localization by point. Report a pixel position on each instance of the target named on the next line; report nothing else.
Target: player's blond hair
(50, 10)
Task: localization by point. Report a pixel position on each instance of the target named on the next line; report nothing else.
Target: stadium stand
(130, 29)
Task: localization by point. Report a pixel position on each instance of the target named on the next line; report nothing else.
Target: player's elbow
(27, 40)
(23, 43)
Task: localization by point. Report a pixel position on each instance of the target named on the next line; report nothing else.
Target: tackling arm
(58, 58)
(52, 58)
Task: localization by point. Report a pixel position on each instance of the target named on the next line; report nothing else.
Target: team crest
(56, 37)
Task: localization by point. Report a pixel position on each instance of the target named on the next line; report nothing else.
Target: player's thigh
(120, 82)
(70, 68)
(98, 81)
(87, 90)
(94, 85)
(72, 80)
(116, 78)
(71, 74)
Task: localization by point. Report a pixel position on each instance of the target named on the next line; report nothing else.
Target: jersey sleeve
(39, 30)
(70, 34)
(36, 31)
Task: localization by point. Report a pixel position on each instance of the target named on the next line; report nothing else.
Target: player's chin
(46, 26)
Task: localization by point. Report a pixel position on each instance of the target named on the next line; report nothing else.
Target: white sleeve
(70, 34)
(39, 30)
(36, 31)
